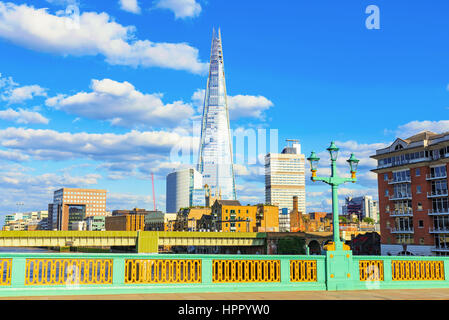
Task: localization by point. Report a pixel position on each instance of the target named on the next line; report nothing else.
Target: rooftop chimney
(295, 204)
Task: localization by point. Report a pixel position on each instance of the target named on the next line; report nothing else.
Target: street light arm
(324, 179)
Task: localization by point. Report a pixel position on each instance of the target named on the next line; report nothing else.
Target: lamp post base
(339, 267)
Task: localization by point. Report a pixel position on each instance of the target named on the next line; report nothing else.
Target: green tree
(291, 245)
(368, 220)
(343, 220)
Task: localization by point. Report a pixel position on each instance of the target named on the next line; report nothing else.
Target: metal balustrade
(417, 270)
(90, 274)
(371, 270)
(432, 212)
(68, 271)
(163, 271)
(443, 229)
(303, 271)
(401, 230)
(5, 272)
(401, 213)
(246, 271)
(437, 193)
(435, 177)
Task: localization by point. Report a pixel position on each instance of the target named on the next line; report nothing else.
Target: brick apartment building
(413, 195)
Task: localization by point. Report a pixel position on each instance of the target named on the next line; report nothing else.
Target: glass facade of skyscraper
(215, 155)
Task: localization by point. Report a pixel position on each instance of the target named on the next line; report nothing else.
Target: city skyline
(101, 102)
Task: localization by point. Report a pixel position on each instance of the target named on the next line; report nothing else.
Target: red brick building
(413, 195)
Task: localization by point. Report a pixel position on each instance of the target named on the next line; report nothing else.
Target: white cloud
(23, 116)
(122, 105)
(92, 33)
(130, 6)
(240, 106)
(414, 127)
(246, 106)
(15, 94)
(52, 145)
(181, 8)
(13, 156)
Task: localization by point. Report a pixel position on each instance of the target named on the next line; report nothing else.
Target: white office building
(285, 177)
(182, 188)
(363, 207)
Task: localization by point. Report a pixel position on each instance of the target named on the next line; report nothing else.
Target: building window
(386, 192)
(418, 189)
(387, 208)
(419, 206)
(385, 176)
(420, 224)
(417, 172)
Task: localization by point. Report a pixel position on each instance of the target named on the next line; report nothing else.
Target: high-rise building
(413, 195)
(184, 190)
(215, 160)
(285, 177)
(363, 207)
(73, 204)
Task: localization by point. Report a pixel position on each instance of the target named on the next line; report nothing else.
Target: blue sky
(100, 100)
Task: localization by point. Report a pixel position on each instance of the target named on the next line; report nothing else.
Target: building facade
(413, 195)
(95, 223)
(363, 207)
(215, 161)
(285, 178)
(284, 220)
(74, 204)
(183, 189)
(127, 222)
(231, 216)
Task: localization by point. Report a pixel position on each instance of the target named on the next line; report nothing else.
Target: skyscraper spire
(215, 160)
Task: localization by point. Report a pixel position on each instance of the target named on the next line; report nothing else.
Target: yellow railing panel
(371, 270)
(162, 271)
(68, 271)
(408, 270)
(303, 271)
(235, 271)
(5, 272)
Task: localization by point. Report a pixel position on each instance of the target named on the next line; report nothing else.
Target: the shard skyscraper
(215, 160)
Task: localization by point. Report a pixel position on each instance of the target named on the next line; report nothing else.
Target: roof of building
(228, 202)
(424, 135)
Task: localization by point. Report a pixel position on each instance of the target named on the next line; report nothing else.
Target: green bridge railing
(24, 274)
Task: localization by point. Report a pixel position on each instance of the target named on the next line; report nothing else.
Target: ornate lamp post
(334, 180)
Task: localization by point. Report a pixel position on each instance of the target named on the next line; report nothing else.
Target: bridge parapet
(24, 274)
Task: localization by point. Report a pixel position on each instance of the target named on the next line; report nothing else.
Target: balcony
(438, 212)
(443, 229)
(402, 230)
(436, 176)
(436, 194)
(401, 213)
(400, 196)
(406, 180)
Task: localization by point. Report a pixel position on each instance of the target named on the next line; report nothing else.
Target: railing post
(206, 271)
(18, 272)
(285, 270)
(446, 269)
(118, 271)
(388, 274)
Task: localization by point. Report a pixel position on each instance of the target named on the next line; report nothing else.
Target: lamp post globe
(313, 159)
(333, 151)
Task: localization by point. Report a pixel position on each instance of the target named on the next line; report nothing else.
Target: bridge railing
(24, 274)
(401, 272)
